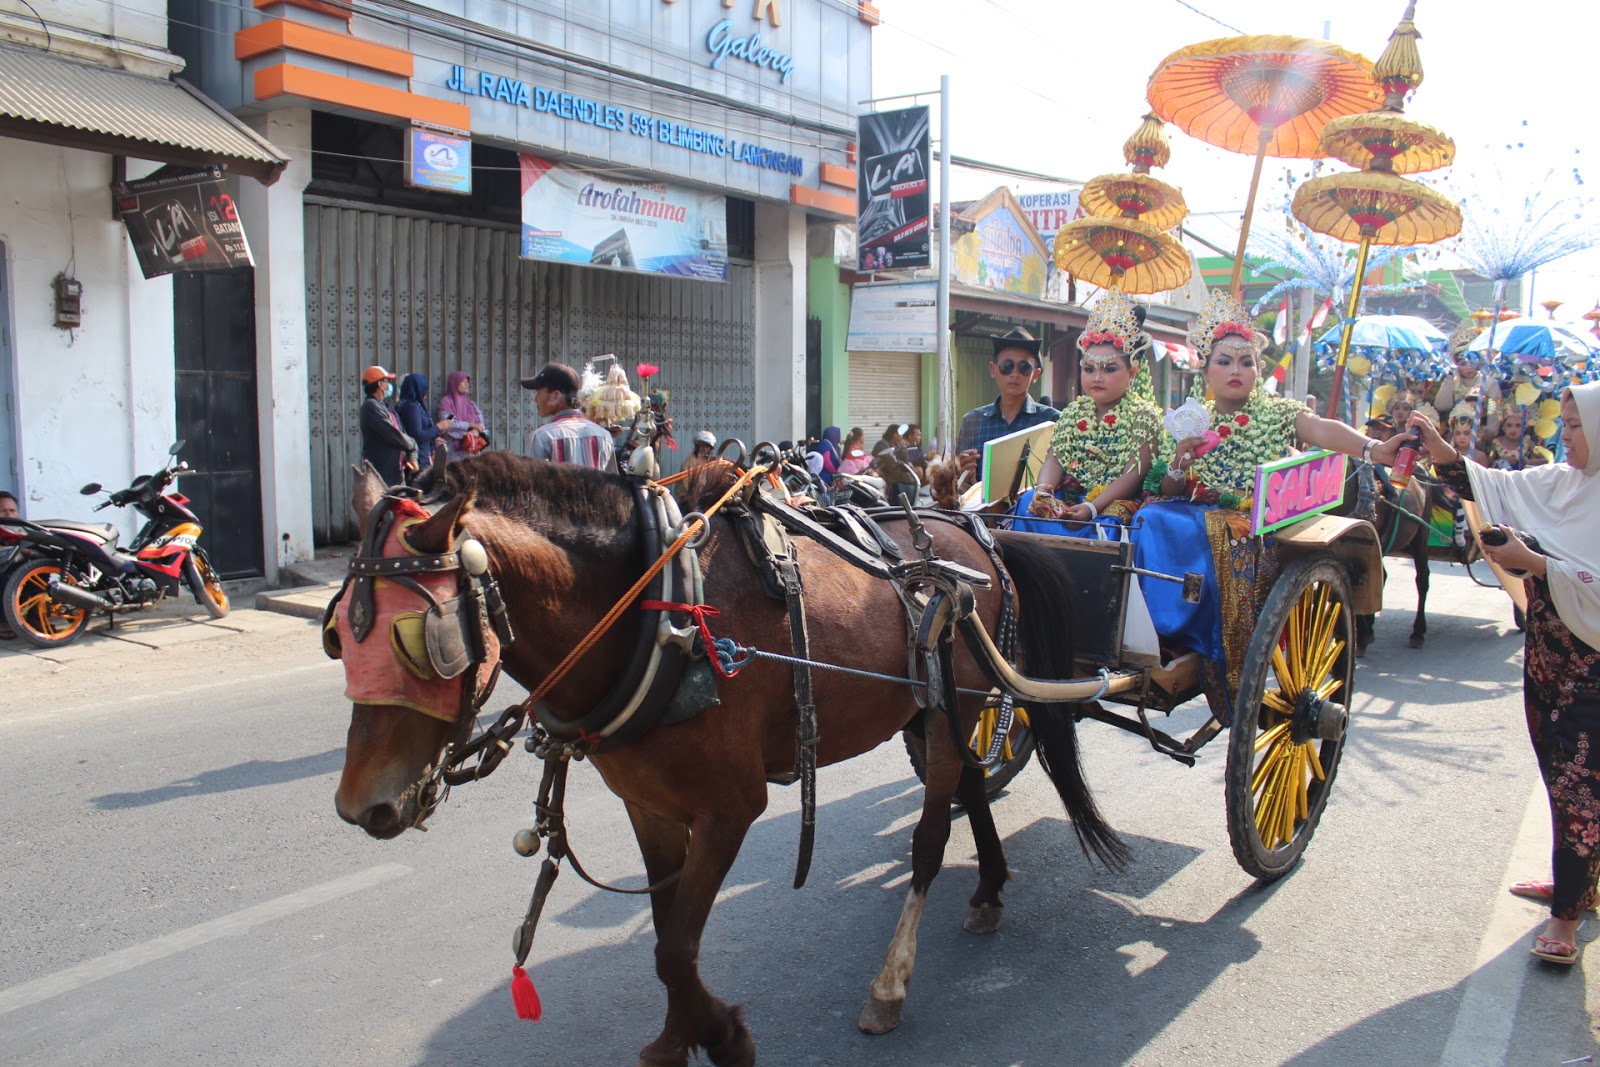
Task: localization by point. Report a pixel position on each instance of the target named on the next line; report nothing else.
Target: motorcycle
(60, 574)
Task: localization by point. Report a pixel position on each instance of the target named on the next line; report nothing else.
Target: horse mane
(705, 484)
(575, 507)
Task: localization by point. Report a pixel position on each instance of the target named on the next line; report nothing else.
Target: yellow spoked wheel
(1015, 749)
(1290, 717)
(35, 617)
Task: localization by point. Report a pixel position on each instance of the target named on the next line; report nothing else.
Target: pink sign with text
(1288, 490)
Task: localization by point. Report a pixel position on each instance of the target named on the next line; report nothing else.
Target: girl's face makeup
(1232, 369)
(1511, 426)
(1461, 438)
(1105, 374)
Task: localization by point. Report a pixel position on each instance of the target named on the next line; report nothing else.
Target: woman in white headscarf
(1555, 512)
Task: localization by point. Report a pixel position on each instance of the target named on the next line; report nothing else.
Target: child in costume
(1106, 439)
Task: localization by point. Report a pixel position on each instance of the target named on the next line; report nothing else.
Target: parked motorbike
(63, 573)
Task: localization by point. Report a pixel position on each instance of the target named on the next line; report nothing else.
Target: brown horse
(1401, 518)
(562, 542)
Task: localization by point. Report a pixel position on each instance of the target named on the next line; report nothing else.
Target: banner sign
(184, 221)
(893, 318)
(893, 197)
(574, 216)
(1288, 490)
(436, 160)
(1049, 211)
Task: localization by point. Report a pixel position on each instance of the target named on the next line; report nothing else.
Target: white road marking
(1481, 1036)
(76, 977)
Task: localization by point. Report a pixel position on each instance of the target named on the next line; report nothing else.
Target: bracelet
(1094, 512)
(1366, 450)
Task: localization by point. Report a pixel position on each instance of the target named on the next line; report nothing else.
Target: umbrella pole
(1481, 414)
(1236, 283)
(1349, 326)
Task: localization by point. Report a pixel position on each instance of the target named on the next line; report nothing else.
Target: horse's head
(413, 628)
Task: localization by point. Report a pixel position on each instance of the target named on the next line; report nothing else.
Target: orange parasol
(1124, 253)
(1267, 95)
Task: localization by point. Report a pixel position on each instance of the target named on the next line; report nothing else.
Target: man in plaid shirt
(1014, 367)
(569, 436)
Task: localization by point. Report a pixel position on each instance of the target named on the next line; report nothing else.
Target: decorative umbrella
(1534, 343)
(1377, 206)
(1121, 253)
(1266, 95)
(1401, 347)
(1137, 195)
(1384, 140)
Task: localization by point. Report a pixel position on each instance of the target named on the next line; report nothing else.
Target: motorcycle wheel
(207, 587)
(30, 612)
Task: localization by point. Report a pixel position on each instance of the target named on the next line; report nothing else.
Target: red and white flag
(1280, 327)
(1318, 316)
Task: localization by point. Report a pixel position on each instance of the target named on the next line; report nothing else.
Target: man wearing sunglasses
(1014, 367)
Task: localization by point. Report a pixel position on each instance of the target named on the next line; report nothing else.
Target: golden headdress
(1464, 411)
(1223, 316)
(1114, 321)
(1463, 336)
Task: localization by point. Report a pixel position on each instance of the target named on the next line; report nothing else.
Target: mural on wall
(1002, 251)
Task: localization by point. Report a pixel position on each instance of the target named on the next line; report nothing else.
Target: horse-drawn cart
(1289, 712)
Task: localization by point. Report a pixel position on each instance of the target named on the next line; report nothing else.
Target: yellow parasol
(1121, 252)
(1266, 95)
(1385, 141)
(1134, 196)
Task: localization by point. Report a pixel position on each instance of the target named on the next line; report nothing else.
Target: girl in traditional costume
(1557, 509)
(1105, 440)
(1202, 522)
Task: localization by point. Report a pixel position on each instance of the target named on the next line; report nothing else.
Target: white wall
(96, 403)
(780, 330)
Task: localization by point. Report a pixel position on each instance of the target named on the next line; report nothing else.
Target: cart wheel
(29, 610)
(1289, 727)
(1015, 751)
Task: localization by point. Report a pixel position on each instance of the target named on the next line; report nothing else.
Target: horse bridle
(446, 639)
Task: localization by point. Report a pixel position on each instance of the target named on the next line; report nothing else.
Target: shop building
(746, 104)
(102, 369)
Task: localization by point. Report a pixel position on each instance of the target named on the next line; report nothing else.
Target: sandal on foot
(1554, 950)
(1544, 892)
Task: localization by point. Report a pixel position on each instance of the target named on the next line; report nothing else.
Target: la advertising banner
(893, 197)
(184, 221)
(573, 216)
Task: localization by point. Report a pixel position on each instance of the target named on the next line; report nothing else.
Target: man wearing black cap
(1014, 367)
(569, 436)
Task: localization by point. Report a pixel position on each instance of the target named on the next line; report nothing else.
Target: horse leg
(1419, 559)
(695, 1018)
(983, 910)
(1364, 632)
(887, 994)
(663, 844)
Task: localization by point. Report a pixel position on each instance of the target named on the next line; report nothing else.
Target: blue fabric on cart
(1170, 537)
(1105, 528)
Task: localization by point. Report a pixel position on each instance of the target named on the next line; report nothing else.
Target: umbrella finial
(1399, 69)
(1148, 146)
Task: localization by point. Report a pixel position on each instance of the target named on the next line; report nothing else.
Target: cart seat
(103, 532)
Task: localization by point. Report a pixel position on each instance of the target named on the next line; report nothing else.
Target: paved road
(177, 890)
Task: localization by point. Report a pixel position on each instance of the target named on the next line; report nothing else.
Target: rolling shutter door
(885, 387)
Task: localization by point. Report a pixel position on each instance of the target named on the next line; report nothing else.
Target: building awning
(81, 105)
(971, 299)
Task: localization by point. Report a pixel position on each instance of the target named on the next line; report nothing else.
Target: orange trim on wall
(286, 79)
(868, 13)
(275, 34)
(834, 203)
(843, 177)
(310, 5)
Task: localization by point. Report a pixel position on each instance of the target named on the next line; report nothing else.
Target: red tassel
(524, 996)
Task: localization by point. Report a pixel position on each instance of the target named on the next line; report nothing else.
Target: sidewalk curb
(303, 601)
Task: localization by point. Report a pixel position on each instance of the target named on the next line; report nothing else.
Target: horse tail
(1044, 620)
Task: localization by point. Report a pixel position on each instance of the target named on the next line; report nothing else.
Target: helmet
(705, 437)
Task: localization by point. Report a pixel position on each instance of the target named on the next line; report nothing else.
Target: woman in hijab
(414, 418)
(831, 452)
(1555, 509)
(463, 414)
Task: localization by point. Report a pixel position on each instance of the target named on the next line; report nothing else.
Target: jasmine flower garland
(1260, 432)
(1094, 450)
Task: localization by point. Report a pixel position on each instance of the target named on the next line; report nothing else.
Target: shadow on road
(1071, 946)
(247, 775)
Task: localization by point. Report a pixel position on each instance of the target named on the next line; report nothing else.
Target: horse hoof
(1361, 652)
(736, 1048)
(658, 1054)
(982, 919)
(1416, 642)
(880, 1016)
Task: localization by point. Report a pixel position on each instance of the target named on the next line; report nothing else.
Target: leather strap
(379, 566)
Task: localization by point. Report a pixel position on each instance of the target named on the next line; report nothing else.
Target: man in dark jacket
(389, 449)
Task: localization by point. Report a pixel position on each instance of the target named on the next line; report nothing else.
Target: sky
(1056, 87)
